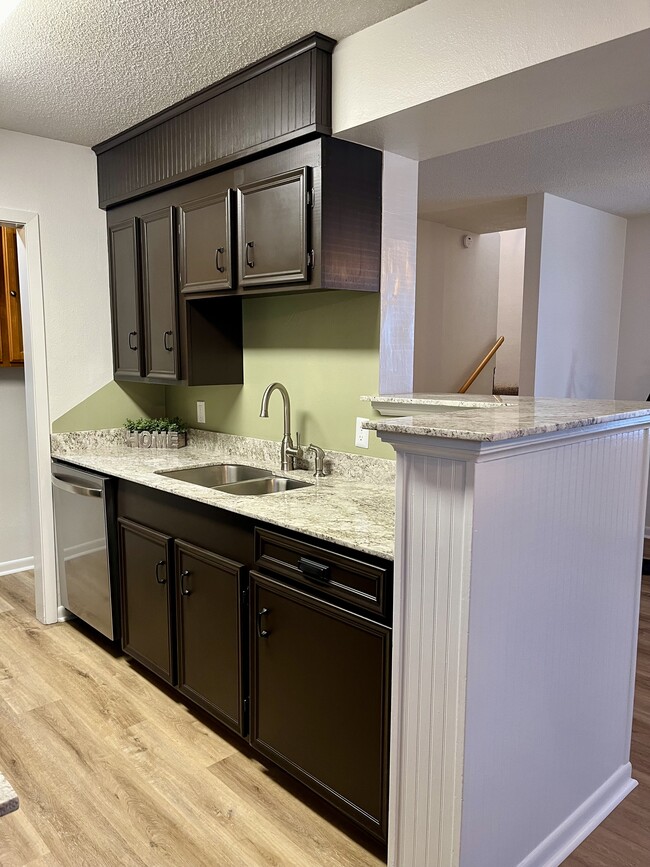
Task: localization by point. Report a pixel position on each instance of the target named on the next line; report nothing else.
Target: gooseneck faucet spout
(288, 452)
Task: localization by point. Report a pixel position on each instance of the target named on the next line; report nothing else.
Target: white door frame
(38, 410)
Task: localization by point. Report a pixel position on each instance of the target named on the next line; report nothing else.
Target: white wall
(633, 370)
(455, 308)
(15, 516)
(511, 296)
(444, 46)
(58, 181)
(572, 299)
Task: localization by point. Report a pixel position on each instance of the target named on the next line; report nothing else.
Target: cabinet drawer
(362, 584)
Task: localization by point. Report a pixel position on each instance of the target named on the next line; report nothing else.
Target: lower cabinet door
(209, 594)
(320, 697)
(146, 572)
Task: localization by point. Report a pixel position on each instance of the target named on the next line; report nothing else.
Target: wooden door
(11, 328)
(147, 576)
(126, 312)
(162, 357)
(208, 593)
(320, 697)
(205, 244)
(273, 230)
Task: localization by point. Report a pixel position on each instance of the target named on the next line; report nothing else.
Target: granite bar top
(354, 506)
(447, 417)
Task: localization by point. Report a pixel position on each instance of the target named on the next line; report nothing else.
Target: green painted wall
(111, 405)
(323, 347)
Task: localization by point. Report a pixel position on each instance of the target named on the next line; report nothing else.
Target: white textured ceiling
(83, 70)
(602, 161)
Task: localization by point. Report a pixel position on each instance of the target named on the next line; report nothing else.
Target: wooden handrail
(480, 367)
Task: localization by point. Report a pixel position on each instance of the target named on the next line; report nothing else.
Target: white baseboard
(559, 844)
(9, 567)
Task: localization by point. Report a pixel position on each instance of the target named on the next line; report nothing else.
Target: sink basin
(216, 475)
(256, 487)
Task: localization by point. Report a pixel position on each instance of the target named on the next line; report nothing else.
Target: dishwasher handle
(76, 487)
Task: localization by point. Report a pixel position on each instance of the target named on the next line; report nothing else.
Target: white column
(516, 611)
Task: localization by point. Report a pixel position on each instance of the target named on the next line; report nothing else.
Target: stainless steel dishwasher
(86, 545)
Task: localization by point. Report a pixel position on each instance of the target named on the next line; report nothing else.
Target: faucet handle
(298, 446)
(319, 460)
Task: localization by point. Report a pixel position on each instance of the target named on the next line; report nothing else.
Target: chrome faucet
(288, 452)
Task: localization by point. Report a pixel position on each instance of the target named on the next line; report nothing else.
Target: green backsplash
(323, 347)
(111, 405)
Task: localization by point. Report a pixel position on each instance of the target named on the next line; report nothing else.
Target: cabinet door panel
(124, 263)
(209, 632)
(319, 693)
(159, 295)
(206, 244)
(273, 230)
(146, 571)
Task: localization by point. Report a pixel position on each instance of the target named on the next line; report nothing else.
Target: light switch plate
(361, 435)
(200, 411)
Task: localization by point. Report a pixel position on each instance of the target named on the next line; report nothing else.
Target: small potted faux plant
(156, 433)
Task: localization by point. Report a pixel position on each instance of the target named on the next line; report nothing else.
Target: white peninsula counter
(517, 571)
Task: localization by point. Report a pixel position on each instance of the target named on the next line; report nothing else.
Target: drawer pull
(313, 570)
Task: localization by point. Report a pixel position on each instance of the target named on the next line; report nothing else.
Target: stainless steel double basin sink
(236, 479)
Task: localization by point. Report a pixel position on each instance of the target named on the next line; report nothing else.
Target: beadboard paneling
(283, 98)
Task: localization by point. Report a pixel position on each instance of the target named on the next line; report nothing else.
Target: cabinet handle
(262, 633)
(184, 590)
(249, 261)
(165, 343)
(219, 252)
(13, 293)
(133, 346)
(158, 578)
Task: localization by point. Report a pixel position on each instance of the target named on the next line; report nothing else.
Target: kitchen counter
(353, 507)
(489, 419)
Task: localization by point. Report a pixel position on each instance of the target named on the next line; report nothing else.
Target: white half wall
(572, 299)
(511, 297)
(15, 515)
(633, 370)
(58, 182)
(455, 309)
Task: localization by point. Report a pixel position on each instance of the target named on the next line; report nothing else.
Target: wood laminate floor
(112, 770)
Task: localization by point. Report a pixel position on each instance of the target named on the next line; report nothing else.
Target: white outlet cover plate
(361, 435)
(200, 411)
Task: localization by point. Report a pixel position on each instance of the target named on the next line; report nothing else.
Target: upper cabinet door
(205, 248)
(273, 230)
(124, 263)
(159, 295)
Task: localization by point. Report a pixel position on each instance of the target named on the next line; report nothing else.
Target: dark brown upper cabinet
(206, 244)
(273, 230)
(159, 335)
(158, 247)
(12, 353)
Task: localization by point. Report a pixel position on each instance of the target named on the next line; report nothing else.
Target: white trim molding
(13, 567)
(38, 411)
(517, 578)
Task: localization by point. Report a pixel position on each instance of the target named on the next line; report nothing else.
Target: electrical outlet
(361, 435)
(200, 411)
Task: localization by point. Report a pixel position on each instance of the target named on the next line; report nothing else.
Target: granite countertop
(353, 507)
(451, 417)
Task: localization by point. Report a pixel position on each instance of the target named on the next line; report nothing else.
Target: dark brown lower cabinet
(146, 571)
(320, 679)
(208, 591)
